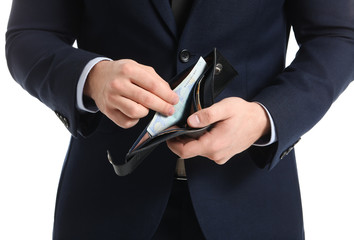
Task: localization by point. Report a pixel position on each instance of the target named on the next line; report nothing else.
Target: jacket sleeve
(321, 70)
(42, 60)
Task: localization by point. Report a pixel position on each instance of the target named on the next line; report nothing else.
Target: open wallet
(197, 87)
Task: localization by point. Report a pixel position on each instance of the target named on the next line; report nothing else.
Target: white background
(33, 145)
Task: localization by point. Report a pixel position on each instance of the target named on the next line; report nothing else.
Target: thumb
(203, 117)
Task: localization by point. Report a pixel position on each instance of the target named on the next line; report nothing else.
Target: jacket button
(184, 56)
(287, 151)
(63, 119)
(65, 122)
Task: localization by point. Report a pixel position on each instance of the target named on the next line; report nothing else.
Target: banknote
(160, 122)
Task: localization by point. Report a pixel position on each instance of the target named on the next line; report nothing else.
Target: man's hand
(125, 90)
(237, 125)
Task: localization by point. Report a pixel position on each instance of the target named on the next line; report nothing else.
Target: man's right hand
(125, 90)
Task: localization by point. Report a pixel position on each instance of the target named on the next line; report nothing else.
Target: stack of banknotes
(160, 122)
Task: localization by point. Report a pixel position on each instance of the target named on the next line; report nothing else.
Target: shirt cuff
(81, 104)
(265, 141)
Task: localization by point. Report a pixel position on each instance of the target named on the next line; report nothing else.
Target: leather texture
(217, 75)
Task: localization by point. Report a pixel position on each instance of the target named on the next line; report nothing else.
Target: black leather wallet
(214, 78)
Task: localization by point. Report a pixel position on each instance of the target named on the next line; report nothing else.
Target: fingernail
(176, 99)
(171, 111)
(194, 120)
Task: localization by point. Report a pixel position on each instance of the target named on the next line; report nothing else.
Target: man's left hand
(237, 124)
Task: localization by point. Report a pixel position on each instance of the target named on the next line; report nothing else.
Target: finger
(218, 111)
(121, 119)
(129, 108)
(148, 100)
(147, 78)
(188, 147)
(177, 147)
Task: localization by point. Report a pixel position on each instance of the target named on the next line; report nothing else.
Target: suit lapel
(193, 10)
(164, 10)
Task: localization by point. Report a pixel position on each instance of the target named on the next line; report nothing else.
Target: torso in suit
(256, 194)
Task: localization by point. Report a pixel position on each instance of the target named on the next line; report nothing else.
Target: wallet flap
(224, 72)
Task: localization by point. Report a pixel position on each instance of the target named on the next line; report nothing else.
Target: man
(241, 175)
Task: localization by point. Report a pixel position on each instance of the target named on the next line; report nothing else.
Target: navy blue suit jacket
(253, 196)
